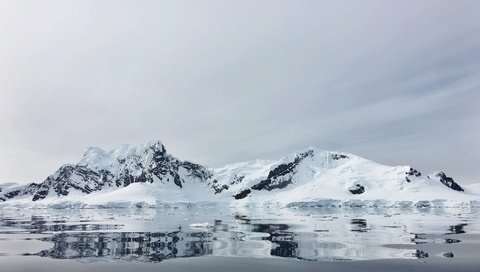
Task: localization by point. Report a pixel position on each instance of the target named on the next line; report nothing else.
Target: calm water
(215, 238)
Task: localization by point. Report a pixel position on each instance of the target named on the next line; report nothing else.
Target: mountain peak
(124, 151)
(95, 155)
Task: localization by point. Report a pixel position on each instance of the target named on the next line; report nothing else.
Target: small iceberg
(205, 225)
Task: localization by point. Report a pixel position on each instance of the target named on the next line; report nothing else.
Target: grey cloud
(225, 81)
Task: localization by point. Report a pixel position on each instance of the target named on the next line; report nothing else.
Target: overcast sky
(397, 82)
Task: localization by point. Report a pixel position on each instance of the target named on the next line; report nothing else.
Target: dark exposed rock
(237, 179)
(165, 165)
(218, 187)
(448, 255)
(13, 194)
(281, 176)
(177, 180)
(339, 156)
(196, 170)
(420, 254)
(41, 194)
(70, 177)
(243, 194)
(357, 189)
(449, 182)
(413, 172)
(24, 190)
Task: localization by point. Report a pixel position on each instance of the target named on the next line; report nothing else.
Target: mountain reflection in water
(305, 235)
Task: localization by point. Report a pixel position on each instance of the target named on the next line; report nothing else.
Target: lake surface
(213, 238)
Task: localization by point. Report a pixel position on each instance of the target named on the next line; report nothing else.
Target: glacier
(147, 175)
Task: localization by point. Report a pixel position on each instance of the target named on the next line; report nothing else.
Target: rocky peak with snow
(100, 170)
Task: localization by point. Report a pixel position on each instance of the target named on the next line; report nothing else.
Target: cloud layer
(397, 82)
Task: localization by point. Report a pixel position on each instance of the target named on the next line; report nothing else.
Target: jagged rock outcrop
(339, 156)
(243, 194)
(357, 189)
(412, 173)
(448, 181)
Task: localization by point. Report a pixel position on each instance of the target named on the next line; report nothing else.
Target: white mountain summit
(146, 175)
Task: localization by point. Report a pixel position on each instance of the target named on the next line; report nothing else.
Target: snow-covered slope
(473, 189)
(146, 175)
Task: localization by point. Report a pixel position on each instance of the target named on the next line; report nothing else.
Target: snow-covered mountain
(147, 175)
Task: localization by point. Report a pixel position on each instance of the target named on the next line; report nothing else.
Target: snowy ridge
(147, 176)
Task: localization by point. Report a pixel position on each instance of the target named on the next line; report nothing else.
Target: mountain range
(147, 175)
